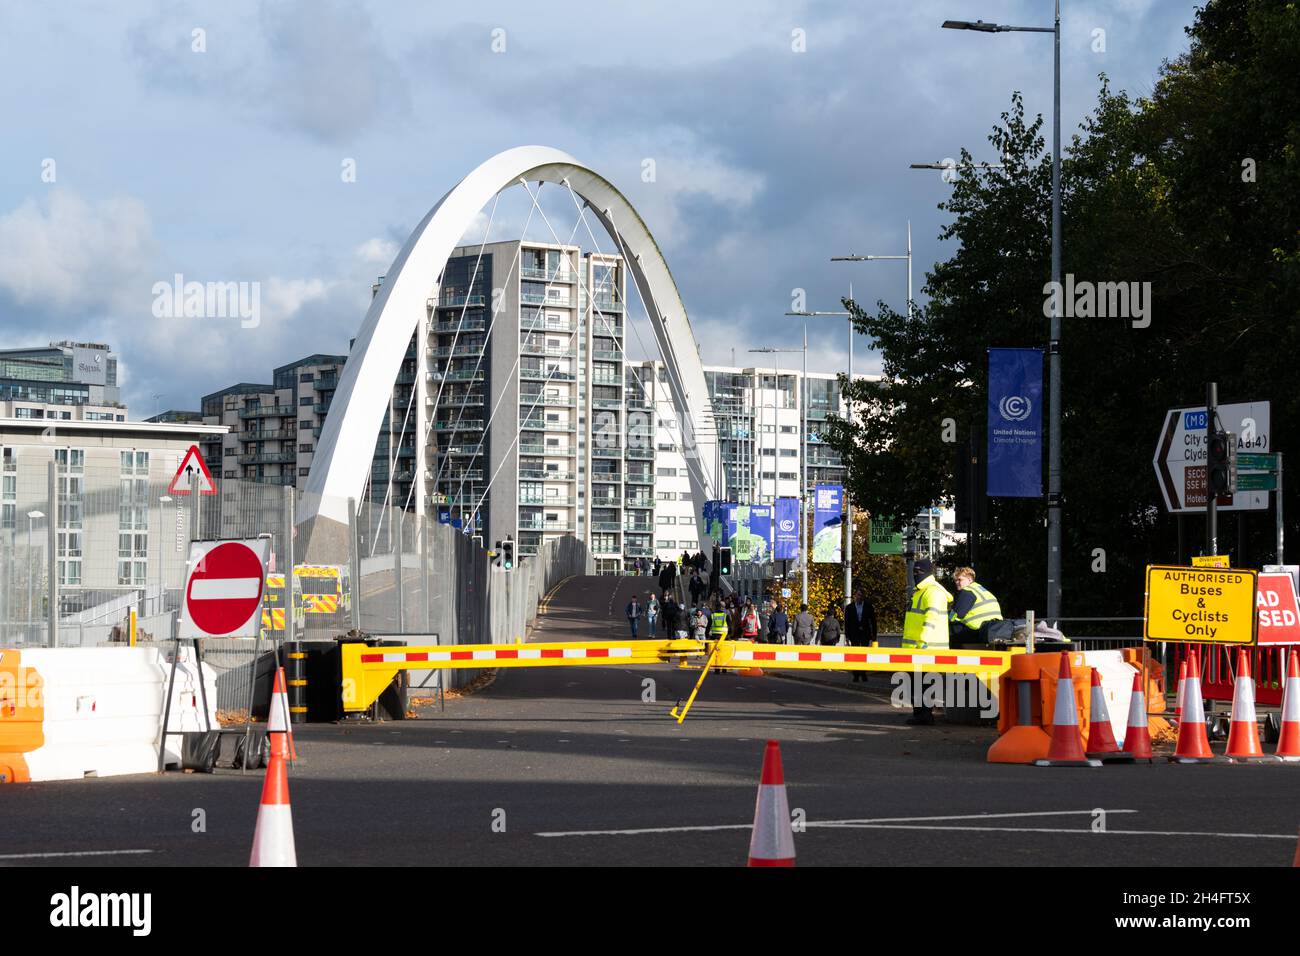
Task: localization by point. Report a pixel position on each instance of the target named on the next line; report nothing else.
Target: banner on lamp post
(828, 521)
(1015, 415)
(786, 524)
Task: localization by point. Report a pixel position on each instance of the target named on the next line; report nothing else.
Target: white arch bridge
(343, 456)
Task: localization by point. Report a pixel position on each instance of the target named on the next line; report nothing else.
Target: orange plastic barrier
(1030, 682)
(22, 716)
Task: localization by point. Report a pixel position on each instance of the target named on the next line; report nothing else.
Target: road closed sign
(1200, 605)
(1279, 615)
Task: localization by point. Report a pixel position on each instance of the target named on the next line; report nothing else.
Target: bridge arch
(343, 453)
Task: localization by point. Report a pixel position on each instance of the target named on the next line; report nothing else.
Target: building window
(665, 495)
(789, 452)
(788, 429)
(661, 543)
(788, 476)
(304, 425)
(666, 472)
(305, 448)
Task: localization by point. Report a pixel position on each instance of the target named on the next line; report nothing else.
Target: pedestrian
(749, 623)
(860, 626)
(657, 563)
(634, 611)
(699, 622)
(667, 575)
(777, 626)
(672, 613)
(829, 632)
(652, 614)
(803, 626)
(926, 623)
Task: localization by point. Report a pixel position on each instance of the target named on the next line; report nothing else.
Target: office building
(65, 381)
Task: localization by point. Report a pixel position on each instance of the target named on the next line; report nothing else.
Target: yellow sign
(1210, 561)
(1200, 605)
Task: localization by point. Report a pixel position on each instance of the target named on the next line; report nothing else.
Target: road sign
(1181, 454)
(223, 590)
(191, 465)
(1254, 481)
(1254, 462)
(1279, 611)
(1210, 561)
(785, 593)
(1200, 605)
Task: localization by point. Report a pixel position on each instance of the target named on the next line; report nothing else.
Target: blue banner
(828, 519)
(1015, 432)
(786, 520)
(749, 531)
(715, 517)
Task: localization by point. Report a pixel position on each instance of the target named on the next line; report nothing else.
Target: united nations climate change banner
(828, 518)
(1015, 433)
(786, 520)
(746, 529)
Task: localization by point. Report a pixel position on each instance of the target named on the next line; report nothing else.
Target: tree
(1154, 191)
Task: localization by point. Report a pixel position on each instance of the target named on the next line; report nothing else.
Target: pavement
(583, 766)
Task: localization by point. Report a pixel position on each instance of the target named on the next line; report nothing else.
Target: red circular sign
(225, 589)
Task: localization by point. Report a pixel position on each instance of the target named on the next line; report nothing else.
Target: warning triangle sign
(192, 464)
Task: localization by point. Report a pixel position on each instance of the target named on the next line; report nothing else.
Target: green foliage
(1153, 190)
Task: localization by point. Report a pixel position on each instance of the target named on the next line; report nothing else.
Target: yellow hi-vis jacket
(986, 608)
(926, 624)
(718, 623)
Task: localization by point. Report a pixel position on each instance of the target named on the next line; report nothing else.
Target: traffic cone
(277, 720)
(1193, 740)
(1243, 736)
(1137, 741)
(273, 837)
(1182, 684)
(1101, 735)
(1067, 748)
(771, 843)
(1288, 741)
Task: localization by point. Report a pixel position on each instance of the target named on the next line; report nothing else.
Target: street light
(803, 454)
(848, 503)
(1054, 350)
(32, 516)
(908, 257)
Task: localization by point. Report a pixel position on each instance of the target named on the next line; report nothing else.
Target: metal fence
(122, 544)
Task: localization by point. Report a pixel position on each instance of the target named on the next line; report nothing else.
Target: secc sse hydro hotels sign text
(1200, 605)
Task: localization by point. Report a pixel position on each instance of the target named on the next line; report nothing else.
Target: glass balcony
(464, 425)
(554, 275)
(269, 411)
(641, 453)
(606, 526)
(458, 301)
(532, 298)
(269, 457)
(544, 375)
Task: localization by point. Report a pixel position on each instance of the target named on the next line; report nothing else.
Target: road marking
(46, 856)
(1192, 833)
(828, 823)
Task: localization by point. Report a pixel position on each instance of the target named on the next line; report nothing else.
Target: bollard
(295, 667)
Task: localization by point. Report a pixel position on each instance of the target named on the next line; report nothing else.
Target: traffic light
(724, 561)
(1221, 466)
(508, 554)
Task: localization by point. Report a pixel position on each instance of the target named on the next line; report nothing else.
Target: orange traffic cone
(1243, 737)
(1288, 742)
(1067, 748)
(277, 720)
(1101, 735)
(771, 843)
(1182, 684)
(1137, 741)
(1193, 740)
(273, 837)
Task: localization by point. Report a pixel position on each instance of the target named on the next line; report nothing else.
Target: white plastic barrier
(103, 709)
(1116, 686)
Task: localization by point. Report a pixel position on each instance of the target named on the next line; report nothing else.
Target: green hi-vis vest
(926, 624)
(718, 623)
(986, 608)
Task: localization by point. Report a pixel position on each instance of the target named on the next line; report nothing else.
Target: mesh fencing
(122, 543)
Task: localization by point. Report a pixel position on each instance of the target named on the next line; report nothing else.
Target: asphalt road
(524, 771)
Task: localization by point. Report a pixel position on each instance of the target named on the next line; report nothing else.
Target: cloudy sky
(136, 148)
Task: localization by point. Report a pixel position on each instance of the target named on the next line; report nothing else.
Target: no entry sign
(1279, 616)
(223, 590)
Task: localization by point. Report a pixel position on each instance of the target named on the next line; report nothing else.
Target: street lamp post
(32, 516)
(803, 456)
(908, 257)
(848, 503)
(1054, 344)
